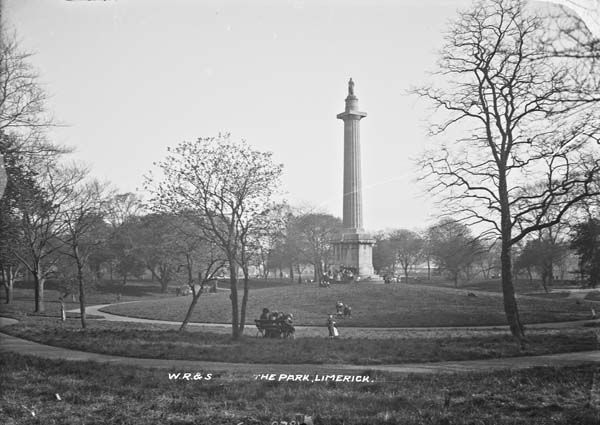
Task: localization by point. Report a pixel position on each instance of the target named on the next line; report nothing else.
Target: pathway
(18, 345)
(346, 332)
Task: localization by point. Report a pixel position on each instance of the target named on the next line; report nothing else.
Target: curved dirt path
(17, 345)
(345, 332)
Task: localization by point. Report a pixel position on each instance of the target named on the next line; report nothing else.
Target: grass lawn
(164, 342)
(522, 286)
(103, 293)
(376, 305)
(123, 395)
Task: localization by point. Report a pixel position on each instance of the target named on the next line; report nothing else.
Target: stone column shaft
(352, 175)
(352, 213)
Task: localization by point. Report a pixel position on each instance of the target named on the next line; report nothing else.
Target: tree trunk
(233, 296)
(508, 292)
(428, 269)
(405, 273)
(164, 283)
(545, 280)
(8, 280)
(190, 270)
(81, 289)
(291, 272)
(244, 300)
(188, 315)
(38, 280)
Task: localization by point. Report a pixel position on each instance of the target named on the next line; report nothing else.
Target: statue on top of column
(351, 87)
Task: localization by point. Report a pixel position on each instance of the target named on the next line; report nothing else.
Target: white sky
(130, 78)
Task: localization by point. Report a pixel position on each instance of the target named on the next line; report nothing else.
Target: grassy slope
(372, 305)
(155, 341)
(120, 395)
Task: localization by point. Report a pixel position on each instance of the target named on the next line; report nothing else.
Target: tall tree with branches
(523, 123)
(223, 186)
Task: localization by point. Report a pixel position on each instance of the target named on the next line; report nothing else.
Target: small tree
(315, 232)
(82, 214)
(453, 247)
(384, 255)
(408, 249)
(223, 186)
(542, 254)
(586, 242)
(155, 241)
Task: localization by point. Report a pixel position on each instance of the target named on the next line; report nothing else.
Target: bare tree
(408, 249)
(525, 128)
(223, 186)
(41, 220)
(315, 232)
(453, 247)
(82, 213)
(24, 119)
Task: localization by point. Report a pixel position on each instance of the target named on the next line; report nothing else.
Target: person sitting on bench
(265, 314)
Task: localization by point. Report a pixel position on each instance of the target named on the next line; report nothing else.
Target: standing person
(288, 326)
(333, 332)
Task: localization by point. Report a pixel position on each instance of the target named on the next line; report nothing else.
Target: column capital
(351, 115)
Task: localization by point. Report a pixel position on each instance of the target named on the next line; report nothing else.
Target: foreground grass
(123, 395)
(152, 341)
(396, 305)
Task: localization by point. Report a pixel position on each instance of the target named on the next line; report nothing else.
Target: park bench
(273, 329)
(268, 327)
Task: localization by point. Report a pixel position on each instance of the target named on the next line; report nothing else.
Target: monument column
(352, 217)
(354, 249)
